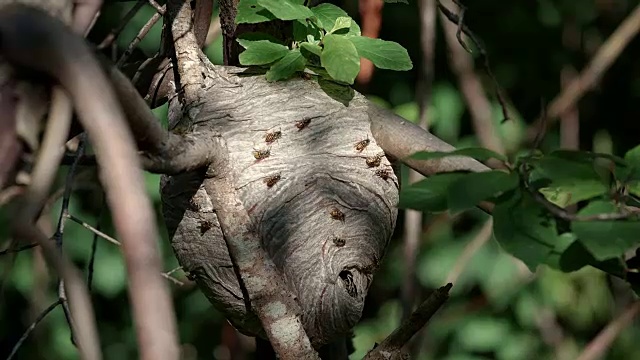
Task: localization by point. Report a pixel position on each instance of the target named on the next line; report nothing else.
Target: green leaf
(383, 54)
(312, 48)
(524, 229)
(261, 52)
(287, 66)
(480, 154)
(633, 157)
(340, 58)
(564, 171)
(569, 255)
(568, 193)
(327, 14)
(286, 9)
(429, 194)
(343, 22)
(586, 156)
(249, 12)
(606, 239)
(473, 188)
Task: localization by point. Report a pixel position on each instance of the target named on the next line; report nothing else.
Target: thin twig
(472, 247)
(94, 249)
(17, 250)
(479, 106)
(94, 230)
(141, 34)
(399, 337)
(483, 54)
(115, 32)
(59, 234)
(110, 239)
(598, 346)
(31, 327)
(604, 57)
(543, 127)
(412, 234)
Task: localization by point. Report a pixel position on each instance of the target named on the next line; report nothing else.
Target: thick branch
(270, 299)
(162, 151)
(32, 39)
(400, 138)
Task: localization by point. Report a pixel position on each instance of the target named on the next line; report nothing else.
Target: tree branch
(269, 297)
(390, 347)
(47, 45)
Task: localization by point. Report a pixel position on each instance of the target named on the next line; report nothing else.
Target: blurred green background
(497, 309)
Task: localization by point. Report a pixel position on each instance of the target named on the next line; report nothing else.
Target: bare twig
(474, 245)
(43, 175)
(604, 57)
(390, 346)
(115, 32)
(141, 34)
(31, 327)
(214, 31)
(17, 250)
(471, 87)
(413, 219)
(98, 233)
(598, 346)
(462, 28)
(543, 128)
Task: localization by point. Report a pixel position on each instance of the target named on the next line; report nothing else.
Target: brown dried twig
(102, 235)
(462, 28)
(470, 85)
(141, 34)
(392, 345)
(599, 345)
(604, 57)
(115, 32)
(32, 327)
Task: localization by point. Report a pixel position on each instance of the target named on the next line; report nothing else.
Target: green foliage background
(496, 311)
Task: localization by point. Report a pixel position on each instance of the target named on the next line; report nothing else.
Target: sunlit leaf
(286, 9)
(340, 58)
(383, 54)
(261, 52)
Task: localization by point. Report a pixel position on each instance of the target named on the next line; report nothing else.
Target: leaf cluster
(564, 209)
(327, 42)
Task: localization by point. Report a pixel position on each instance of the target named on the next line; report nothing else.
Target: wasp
(336, 214)
(193, 205)
(204, 226)
(339, 242)
(272, 136)
(272, 180)
(261, 154)
(303, 123)
(383, 173)
(374, 161)
(362, 144)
